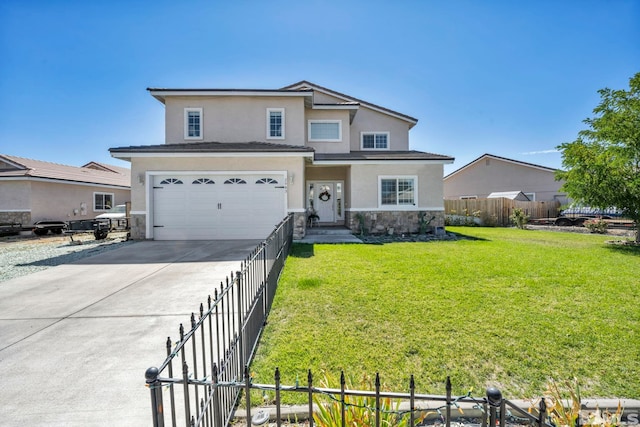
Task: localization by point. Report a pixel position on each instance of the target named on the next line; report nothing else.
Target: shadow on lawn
(467, 237)
(633, 250)
(302, 250)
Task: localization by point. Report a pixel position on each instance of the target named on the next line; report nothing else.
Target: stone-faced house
(236, 161)
(36, 190)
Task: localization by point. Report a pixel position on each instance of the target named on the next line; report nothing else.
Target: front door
(324, 201)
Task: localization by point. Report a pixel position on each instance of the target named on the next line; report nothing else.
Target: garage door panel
(204, 210)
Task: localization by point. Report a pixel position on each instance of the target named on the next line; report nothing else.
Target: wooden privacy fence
(497, 211)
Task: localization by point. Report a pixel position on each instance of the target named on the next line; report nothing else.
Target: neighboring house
(33, 190)
(236, 161)
(491, 174)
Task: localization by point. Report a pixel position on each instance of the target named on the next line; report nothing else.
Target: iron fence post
(247, 391)
(412, 407)
(187, 403)
(377, 399)
(277, 379)
(448, 390)
(542, 412)
(494, 397)
(342, 402)
(310, 383)
(155, 386)
(242, 362)
(216, 397)
(265, 281)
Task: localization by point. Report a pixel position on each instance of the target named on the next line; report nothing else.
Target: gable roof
(492, 156)
(13, 167)
(306, 85)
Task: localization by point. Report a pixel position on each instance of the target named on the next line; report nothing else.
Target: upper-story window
(325, 130)
(375, 140)
(193, 123)
(275, 123)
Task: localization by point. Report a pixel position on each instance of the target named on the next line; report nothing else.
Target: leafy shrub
(597, 225)
(359, 410)
(519, 218)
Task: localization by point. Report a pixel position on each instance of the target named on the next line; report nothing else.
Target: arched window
(203, 181)
(171, 181)
(266, 181)
(235, 181)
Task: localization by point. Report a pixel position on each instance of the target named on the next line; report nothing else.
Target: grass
(508, 308)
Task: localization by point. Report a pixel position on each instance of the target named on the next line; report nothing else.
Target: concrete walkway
(75, 340)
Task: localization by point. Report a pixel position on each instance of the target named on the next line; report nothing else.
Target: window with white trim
(103, 201)
(325, 130)
(398, 191)
(374, 140)
(275, 123)
(193, 123)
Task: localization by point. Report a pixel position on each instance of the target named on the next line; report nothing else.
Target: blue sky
(511, 78)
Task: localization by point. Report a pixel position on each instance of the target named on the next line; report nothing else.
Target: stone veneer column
(299, 225)
(138, 226)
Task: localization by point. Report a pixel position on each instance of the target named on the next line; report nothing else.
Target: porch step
(329, 235)
(324, 231)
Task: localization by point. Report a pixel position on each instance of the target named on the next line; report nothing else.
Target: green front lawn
(510, 309)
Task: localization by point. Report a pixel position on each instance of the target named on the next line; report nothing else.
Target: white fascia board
(381, 162)
(64, 181)
(335, 107)
(412, 209)
(160, 95)
(231, 154)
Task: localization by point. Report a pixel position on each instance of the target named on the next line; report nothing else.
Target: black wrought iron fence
(220, 342)
(337, 406)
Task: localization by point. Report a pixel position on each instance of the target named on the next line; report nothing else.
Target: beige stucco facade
(235, 137)
(30, 200)
(235, 118)
(489, 174)
(142, 168)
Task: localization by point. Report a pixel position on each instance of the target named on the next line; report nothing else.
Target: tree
(602, 166)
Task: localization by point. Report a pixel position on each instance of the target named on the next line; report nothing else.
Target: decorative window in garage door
(266, 181)
(171, 181)
(235, 181)
(203, 181)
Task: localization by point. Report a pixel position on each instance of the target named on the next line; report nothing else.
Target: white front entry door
(325, 201)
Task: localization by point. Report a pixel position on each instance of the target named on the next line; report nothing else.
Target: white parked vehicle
(116, 212)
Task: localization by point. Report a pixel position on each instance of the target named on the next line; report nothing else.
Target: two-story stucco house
(235, 162)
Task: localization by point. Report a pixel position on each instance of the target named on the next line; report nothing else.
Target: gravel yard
(22, 255)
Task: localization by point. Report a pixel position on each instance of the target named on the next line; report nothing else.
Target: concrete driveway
(76, 339)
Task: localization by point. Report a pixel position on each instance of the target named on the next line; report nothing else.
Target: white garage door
(210, 207)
